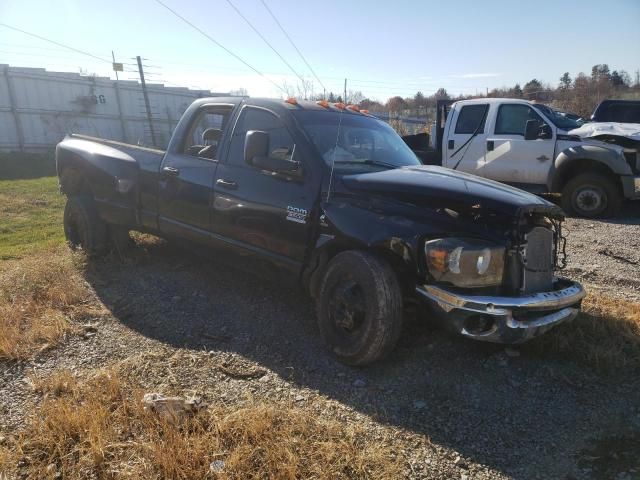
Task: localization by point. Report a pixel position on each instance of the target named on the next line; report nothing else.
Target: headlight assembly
(465, 262)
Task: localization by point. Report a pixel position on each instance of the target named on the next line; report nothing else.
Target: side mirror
(531, 130)
(256, 144)
(256, 153)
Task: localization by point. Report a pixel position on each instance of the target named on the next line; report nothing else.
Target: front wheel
(591, 196)
(359, 307)
(83, 226)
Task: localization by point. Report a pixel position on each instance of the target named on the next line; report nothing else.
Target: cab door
(461, 151)
(512, 159)
(263, 211)
(187, 175)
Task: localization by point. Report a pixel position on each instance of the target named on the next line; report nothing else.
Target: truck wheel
(592, 196)
(83, 227)
(119, 238)
(359, 307)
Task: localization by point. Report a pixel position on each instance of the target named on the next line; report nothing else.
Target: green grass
(30, 216)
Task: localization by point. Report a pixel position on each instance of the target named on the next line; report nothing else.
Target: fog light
(479, 324)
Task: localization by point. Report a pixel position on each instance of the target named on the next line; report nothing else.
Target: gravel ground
(457, 409)
(606, 254)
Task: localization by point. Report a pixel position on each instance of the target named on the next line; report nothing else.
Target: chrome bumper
(504, 319)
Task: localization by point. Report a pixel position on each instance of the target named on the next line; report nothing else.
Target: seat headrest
(212, 134)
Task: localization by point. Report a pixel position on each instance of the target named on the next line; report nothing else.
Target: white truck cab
(527, 145)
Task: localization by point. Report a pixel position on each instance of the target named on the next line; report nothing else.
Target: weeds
(99, 429)
(606, 335)
(38, 296)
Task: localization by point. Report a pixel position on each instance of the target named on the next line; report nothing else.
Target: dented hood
(439, 187)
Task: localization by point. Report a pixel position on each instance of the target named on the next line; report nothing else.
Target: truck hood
(438, 187)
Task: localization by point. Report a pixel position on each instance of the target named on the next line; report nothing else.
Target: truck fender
(348, 227)
(109, 175)
(585, 158)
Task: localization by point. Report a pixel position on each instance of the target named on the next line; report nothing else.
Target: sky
(382, 48)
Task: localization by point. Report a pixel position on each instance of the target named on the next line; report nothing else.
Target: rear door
(512, 159)
(461, 152)
(186, 176)
(259, 210)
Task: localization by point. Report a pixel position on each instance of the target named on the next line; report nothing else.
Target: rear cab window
(206, 131)
(471, 118)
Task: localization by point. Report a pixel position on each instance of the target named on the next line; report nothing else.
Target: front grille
(538, 260)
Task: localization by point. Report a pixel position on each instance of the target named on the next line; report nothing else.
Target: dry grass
(605, 336)
(38, 295)
(99, 429)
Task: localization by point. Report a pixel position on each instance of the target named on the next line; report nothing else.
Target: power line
(213, 40)
(54, 42)
(265, 41)
(292, 43)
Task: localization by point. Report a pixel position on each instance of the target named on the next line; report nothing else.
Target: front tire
(591, 195)
(83, 227)
(359, 307)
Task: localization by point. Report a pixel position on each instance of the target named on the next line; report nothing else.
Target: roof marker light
(323, 103)
(292, 101)
(353, 108)
(366, 112)
(340, 106)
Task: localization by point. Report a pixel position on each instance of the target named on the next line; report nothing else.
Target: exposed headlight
(465, 262)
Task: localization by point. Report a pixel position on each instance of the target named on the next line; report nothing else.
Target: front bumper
(504, 319)
(631, 186)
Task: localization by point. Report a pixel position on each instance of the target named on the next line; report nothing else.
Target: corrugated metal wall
(38, 108)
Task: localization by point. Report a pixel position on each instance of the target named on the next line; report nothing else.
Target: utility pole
(345, 91)
(145, 94)
(123, 125)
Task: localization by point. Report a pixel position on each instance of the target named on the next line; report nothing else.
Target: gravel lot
(456, 408)
(606, 254)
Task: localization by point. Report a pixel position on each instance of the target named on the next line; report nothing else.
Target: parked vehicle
(334, 196)
(620, 111)
(528, 145)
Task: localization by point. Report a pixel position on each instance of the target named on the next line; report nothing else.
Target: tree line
(579, 94)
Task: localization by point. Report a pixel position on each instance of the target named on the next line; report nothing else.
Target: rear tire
(591, 195)
(359, 307)
(120, 239)
(83, 226)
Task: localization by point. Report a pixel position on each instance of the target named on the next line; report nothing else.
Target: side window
(512, 119)
(470, 118)
(281, 143)
(206, 132)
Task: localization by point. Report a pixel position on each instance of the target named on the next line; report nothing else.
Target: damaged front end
(511, 292)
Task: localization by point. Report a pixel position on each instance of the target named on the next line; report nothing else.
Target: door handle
(174, 172)
(490, 145)
(228, 184)
(542, 158)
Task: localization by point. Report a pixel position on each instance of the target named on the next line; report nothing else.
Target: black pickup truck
(336, 197)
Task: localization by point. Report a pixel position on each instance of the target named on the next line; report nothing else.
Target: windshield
(559, 120)
(363, 143)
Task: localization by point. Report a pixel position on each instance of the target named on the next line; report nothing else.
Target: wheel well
(578, 167)
(73, 182)
(313, 273)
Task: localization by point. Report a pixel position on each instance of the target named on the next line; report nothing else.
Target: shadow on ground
(521, 415)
